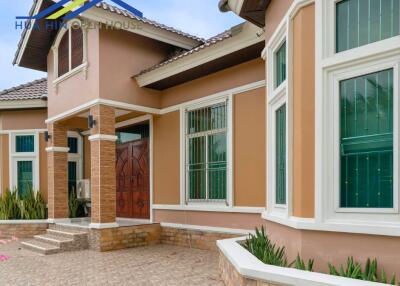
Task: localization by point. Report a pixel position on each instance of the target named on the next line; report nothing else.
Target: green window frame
(361, 22)
(280, 155)
(206, 153)
(280, 61)
(24, 177)
(25, 143)
(366, 141)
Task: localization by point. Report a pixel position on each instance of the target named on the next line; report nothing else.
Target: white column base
(103, 225)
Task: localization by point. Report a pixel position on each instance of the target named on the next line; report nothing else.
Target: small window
(70, 50)
(360, 22)
(206, 161)
(280, 58)
(366, 143)
(25, 144)
(73, 145)
(280, 176)
(133, 133)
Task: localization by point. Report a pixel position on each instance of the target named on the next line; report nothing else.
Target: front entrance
(133, 180)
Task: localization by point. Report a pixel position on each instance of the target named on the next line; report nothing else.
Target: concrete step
(66, 234)
(40, 247)
(59, 241)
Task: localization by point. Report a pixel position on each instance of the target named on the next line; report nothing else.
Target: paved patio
(156, 265)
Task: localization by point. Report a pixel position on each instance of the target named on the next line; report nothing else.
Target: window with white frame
(361, 22)
(206, 160)
(280, 64)
(69, 49)
(24, 162)
(75, 160)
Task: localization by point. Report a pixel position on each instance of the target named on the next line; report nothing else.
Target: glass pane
(63, 55)
(25, 143)
(76, 47)
(25, 176)
(73, 145)
(367, 141)
(133, 133)
(281, 64)
(197, 168)
(281, 155)
(360, 22)
(72, 176)
(206, 119)
(217, 163)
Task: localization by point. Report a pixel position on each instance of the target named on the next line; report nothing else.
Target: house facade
(289, 120)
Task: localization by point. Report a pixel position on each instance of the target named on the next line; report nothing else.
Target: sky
(198, 17)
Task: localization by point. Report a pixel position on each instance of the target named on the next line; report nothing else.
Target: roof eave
(22, 104)
(251, 10)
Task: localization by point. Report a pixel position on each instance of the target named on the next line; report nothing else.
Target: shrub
(354, 270)
(73, 204)
(28, 206)
(299, 264)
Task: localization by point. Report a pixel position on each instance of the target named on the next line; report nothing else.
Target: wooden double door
(133, 180)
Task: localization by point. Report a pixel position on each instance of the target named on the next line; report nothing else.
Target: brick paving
(154, 265)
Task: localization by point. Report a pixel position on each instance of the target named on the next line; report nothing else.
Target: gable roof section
(235, 46)
(35, 44)
(25, 96)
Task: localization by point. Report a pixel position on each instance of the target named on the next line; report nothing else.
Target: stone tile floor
(155, 265)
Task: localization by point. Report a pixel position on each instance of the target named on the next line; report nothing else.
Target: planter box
(241, 268)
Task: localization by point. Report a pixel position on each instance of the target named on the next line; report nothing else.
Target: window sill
(209, 208)
(346, 226)
(71, 73)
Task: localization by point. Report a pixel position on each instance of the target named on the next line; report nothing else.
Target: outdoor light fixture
(91, 122)
(47, 136)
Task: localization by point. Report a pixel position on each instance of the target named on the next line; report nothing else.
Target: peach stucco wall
(213, 219)
(24, 119)
(4, 164)
(274, 14)
(335, 247)
(249, 148)
(303, 112)
(239, 75)
(166, 159)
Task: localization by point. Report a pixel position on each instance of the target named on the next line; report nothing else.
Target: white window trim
(78, 158)
(71, 72)
(228, 98)
(277, 96)
(331, 68)
(15, 157)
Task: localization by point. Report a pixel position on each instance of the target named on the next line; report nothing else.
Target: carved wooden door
(133, 180)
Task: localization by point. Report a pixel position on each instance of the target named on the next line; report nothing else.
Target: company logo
(69, 9)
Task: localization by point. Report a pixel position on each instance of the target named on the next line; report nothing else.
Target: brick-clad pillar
(103, 179)
(57, 160)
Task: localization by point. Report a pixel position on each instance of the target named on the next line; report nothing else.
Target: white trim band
(210, 208)
(58, 149)
(223, 230)
(102, 137)
(104, 225)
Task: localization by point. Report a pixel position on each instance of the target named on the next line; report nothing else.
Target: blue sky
(198, 17)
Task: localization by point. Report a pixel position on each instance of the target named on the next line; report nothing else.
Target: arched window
(69, 50)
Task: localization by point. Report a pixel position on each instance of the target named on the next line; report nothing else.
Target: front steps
(58, 239)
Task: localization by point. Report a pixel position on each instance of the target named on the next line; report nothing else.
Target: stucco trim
(102, 137)
(207, 228)
(209, 208)
(23, 104)
(57, 149)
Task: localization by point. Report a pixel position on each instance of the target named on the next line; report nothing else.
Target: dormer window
(69, 51)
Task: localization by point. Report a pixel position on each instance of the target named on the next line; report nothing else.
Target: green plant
(32, 206)
(73, 204)
(298, 263)
(9, 205)
(262, 247)
(354, 270)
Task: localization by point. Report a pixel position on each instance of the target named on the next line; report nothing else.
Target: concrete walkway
(156, 265)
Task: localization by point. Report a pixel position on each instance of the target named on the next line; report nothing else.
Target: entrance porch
(99, 168)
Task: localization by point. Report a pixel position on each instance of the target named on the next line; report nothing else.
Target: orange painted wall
(166, 152)
(250, 149)
(303, 112)
(274, 15)
(4, 168)
(24, 119)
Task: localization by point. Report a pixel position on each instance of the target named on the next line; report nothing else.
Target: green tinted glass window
(360, 22)
(25, 144)
(280, 156)
(280, 58)
(73, 145)
(25, 176)
(207, 153)
(72, 176)
(366, 143)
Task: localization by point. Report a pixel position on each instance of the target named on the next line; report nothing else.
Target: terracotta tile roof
(208, 43)
(125, 13)
(31, 90)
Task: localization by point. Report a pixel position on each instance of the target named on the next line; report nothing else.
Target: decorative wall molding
(57, 149)
(102, 137)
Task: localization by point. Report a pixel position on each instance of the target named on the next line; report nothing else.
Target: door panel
(133, 181)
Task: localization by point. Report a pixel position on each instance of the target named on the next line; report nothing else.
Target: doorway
(133, 172)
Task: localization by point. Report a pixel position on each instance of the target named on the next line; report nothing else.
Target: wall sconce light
(47, 136)
(91, 122)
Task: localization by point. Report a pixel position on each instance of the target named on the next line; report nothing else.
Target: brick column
(57, 163)
(103, 179)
